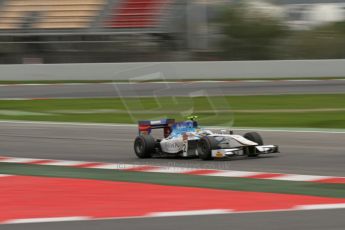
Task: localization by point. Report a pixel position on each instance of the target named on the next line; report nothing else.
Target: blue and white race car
(187, 139)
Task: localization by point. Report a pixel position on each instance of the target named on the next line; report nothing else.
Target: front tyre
(144, 146)
(205, 147)
(255, 137)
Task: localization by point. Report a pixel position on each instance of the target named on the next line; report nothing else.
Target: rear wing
(145, 127)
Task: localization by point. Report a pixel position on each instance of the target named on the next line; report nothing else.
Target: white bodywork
(178, 144)
(229, 144)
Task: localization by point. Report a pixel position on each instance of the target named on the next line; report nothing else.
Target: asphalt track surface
(94, 90)
(301, 153)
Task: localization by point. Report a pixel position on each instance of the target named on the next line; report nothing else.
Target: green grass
(240, 184)
(304, 111)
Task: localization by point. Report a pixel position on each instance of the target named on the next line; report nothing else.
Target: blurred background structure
(81, 31)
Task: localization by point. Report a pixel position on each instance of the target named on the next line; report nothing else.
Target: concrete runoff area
(175, 70)
(312, 219)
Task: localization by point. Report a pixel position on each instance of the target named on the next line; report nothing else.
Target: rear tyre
(255, 137)
(144, 146)
(205, 147)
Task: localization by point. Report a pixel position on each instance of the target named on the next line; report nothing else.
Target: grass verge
(240, 184)
(303, 111)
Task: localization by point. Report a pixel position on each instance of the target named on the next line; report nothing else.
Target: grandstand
(136, 14)
(19, 15)
(48, 14)
(59, 31)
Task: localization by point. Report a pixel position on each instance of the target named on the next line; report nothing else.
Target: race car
(187, 139)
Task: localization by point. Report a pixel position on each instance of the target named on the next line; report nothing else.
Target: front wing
(260, 149)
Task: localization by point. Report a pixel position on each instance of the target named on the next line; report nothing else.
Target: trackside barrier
(175, 70)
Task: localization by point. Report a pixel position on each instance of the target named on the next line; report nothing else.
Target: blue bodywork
(179, 128)
(171, 128)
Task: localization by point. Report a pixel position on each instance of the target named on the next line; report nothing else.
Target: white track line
(5, 175)
(255, 81)
(341, 131)
(287, 130)
(191, 213)
(105, 166)
(116, 166)
(168, 82)
(319, 206)
(44, 220)
(302, 80)
(18, 160)
(177, 213)
(171, 170)
(292, 177)
(234, 174)
(64, 163)
(67, 123)
(16, 99)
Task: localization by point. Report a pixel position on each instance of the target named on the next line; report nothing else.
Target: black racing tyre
(253, 136)
(205, 147)
(144, 146)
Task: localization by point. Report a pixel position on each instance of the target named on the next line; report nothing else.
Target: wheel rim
(204, 147)
(139, 146)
